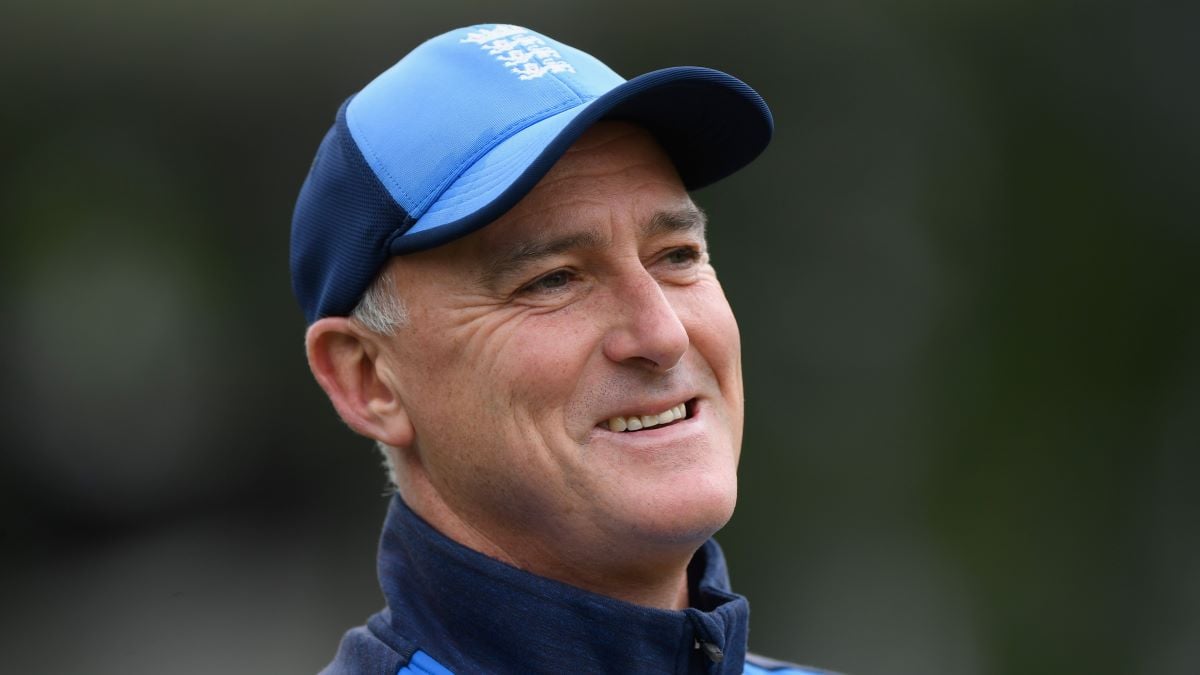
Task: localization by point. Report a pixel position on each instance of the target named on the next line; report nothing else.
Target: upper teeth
(646, 421)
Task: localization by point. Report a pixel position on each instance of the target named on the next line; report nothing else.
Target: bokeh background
(966, 273)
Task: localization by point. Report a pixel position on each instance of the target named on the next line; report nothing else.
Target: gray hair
(382, 312)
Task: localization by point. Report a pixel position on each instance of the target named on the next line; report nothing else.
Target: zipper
(712, 651)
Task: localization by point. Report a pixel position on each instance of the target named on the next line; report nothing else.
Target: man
(508, 288)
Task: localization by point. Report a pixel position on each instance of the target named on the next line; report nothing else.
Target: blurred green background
(966, 273)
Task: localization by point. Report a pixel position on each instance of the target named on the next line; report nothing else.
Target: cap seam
(573, 86)
(365, 142)
(501, 136)
(407, 221)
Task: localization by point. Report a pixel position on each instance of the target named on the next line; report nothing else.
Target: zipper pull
(710, 650)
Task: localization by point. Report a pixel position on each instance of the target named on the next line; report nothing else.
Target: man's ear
(346, 362)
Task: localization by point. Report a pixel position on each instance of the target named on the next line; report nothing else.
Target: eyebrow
(525, 253)
(689, 219)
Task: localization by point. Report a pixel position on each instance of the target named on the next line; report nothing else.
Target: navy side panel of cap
(653, 100)
(340, 228)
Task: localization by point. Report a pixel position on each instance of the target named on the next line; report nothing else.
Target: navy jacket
(453, 610)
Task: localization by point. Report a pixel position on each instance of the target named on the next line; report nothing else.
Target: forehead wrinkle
(512, 258)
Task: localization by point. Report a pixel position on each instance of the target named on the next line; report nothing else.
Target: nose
(647, 330)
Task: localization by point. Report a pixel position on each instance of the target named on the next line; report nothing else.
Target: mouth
(634, 423)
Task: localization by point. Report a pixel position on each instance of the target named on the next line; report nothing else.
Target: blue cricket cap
(460, 129)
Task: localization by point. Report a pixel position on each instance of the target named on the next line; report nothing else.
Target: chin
(686, 513)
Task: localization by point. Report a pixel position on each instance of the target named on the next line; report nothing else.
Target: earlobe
(348, 367)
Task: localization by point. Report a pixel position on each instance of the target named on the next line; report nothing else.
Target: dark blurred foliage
(966, 273)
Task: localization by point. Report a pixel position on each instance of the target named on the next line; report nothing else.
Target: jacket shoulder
(761, 665)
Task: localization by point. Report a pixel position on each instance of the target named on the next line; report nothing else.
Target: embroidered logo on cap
(522, 51)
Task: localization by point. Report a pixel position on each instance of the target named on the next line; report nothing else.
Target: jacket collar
(476, 614)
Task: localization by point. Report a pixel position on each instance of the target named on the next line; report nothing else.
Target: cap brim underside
(710, 123)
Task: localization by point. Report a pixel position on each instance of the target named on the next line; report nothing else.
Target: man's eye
(550, 282)
(683, 255)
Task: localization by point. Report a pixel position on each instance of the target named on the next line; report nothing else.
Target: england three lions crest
(523, 52)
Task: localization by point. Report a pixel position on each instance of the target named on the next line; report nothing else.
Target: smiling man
(508, 287)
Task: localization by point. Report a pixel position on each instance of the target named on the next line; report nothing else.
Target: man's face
(591, 300)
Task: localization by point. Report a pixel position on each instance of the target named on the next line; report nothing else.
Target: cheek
(518, 374)
(714, 334)
(544, 360)
(713, 329)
